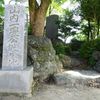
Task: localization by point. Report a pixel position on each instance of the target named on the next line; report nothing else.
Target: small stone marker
(15, 76)
(15, 34)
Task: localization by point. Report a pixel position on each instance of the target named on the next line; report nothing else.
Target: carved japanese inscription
(14, 42)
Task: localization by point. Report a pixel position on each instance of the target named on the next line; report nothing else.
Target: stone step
(78, 78)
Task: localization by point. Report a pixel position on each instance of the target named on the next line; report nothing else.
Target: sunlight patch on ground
(83, 74)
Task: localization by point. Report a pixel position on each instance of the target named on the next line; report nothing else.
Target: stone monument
(15, 76)
(52, 27)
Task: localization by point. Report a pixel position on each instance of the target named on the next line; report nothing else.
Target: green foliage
(67, 25)
(1, 7)
(29, 30)
(80, 37)
(62, 48)
(56, 5)
(89, 10)
(68, 49)
(60, 1)
(88, 48)
(1, 11)
(91, 61)
(97, 45)
(76, 44)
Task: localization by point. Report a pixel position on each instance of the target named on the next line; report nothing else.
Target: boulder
(97, 66)
(71, 63)
(43, 57)
(75, 62)
(96, 55)
(75, 54)
(66, 61)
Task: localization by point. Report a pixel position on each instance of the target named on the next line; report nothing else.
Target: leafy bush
(91, 61)
(88, 48)
(76, 44)
(66, 24)
(68, 49)
(97, 45)
(29, 30)
(62, 48)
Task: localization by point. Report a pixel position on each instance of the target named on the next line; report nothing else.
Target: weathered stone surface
(42, 55)
(52, 27)
(71, 63)
(77, 78)
(15, 35)
(14, 76)
(16, 81)
(66, 60)
(96, 55)
(97, 66)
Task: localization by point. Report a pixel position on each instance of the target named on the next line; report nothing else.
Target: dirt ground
(53, 92)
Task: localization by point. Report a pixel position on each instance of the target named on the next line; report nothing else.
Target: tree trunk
(98, 26)
(32, 6)
(90, 31)
(88, 35)
(38, 16)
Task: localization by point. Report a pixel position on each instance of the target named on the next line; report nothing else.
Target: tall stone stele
(15, 76)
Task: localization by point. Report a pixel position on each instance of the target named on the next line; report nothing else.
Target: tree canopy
(1, 10)
(90, 12)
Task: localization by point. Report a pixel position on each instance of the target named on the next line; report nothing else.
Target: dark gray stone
(70, 62)
(97, 66)
(51, 26)
(96, 55)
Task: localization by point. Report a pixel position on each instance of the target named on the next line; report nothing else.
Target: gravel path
(52, 92)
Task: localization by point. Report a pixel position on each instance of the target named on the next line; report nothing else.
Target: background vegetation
(85, 31)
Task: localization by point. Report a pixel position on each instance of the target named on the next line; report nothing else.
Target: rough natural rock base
(43, 57)
(17, 82)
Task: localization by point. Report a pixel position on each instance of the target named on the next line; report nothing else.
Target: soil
(54, 92)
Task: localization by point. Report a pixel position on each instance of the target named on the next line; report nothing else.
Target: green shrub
(87, 50)
(62, 48)
(97, 45)
(76, 44)
(29, 30)
(68, 49)
(91, 61)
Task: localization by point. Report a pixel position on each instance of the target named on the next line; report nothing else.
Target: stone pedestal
(17, 82)
(15, 76)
